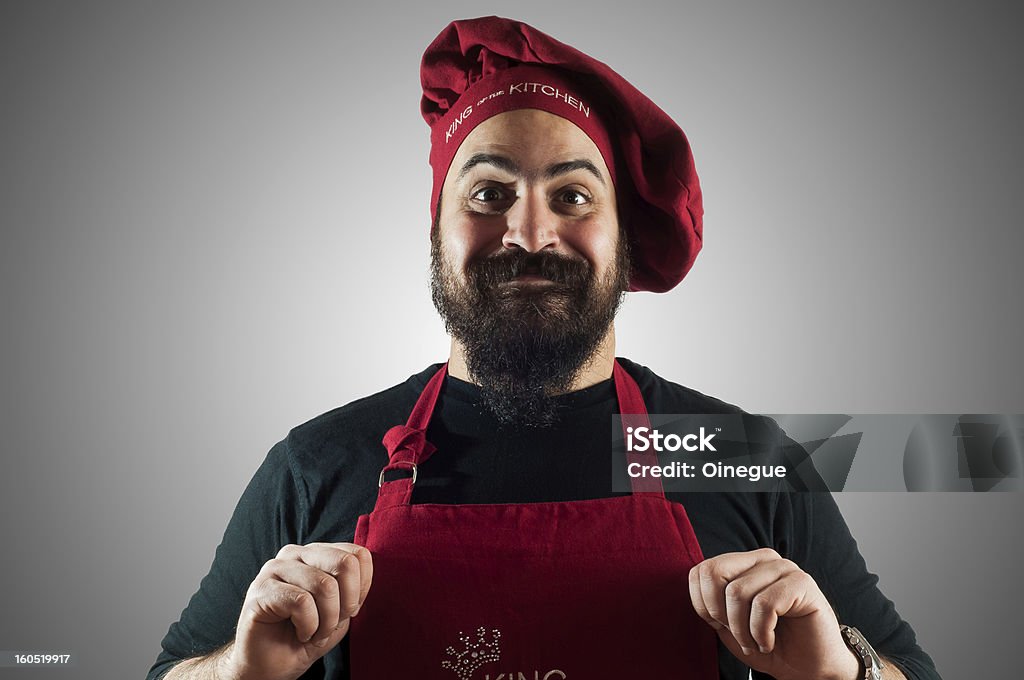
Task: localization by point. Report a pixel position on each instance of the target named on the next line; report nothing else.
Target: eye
(574, 197)
(487, 195)
(490, 199)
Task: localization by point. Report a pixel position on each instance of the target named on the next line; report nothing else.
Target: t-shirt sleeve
(268, 516)
(811, 531)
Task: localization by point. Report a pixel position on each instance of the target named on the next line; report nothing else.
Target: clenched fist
(772, 615)
(297, 609)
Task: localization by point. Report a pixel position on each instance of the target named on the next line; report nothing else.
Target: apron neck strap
(634, 414)
(408, 447)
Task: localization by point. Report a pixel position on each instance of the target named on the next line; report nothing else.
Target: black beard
(526, 344)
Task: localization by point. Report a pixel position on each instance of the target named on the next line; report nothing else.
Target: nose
(531, 224)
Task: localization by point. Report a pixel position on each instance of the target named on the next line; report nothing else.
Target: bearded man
(484, 540)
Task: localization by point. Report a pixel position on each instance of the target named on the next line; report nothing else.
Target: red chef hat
(478, 68)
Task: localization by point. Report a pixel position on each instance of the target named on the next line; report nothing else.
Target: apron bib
(580, 590)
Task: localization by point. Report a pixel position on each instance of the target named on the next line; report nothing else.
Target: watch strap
(870, 662)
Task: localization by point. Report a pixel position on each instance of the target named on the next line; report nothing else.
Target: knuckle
(262, 593)
(805, 580)
(735, 591)
(761, 604)
(252, 594)
(769, 553)
(301, 599)
(707, 570)
(272, 570)
(289, 551)
(260, 588)
(263, 574)
(271, 566)
(341, 563)
(326, 585)
(350, 561)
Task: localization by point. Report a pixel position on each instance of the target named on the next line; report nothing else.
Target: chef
(483, 540)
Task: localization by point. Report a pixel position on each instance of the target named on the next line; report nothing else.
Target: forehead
(533, 138)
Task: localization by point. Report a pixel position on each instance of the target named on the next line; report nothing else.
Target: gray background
(215, 227)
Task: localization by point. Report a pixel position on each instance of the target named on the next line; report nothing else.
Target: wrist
(869, 663)
(848, 666)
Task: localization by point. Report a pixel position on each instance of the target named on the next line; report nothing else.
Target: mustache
(509, 264)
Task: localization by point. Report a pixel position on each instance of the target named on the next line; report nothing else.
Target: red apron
(583, 590)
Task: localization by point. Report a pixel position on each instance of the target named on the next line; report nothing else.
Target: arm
(207, 667)
(772, 615)
(790, 602)
(830, 555)
(271, 512)
(296, 610)
(891, 671)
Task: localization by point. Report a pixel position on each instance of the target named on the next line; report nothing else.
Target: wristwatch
(869, 662)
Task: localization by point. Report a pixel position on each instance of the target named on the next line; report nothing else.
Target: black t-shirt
(315, 484)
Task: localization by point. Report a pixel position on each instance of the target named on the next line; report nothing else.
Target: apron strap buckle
(397, 465)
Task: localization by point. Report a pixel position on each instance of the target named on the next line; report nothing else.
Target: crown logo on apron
(474, 653)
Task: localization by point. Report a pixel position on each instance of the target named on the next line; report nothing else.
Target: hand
(297, 609)
(772, 615)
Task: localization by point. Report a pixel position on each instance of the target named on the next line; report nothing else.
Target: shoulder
(335, 458)
(356, 426)
(665, 396)
(773, 446)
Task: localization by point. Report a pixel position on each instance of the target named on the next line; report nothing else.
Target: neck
(596, 369)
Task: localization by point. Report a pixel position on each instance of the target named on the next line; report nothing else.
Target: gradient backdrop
(215, 227)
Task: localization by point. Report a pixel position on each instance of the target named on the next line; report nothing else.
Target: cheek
(596, 242)
(465, 237)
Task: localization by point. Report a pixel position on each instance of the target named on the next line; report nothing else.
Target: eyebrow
(500, 162)
(571, 166)
(512, 168)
